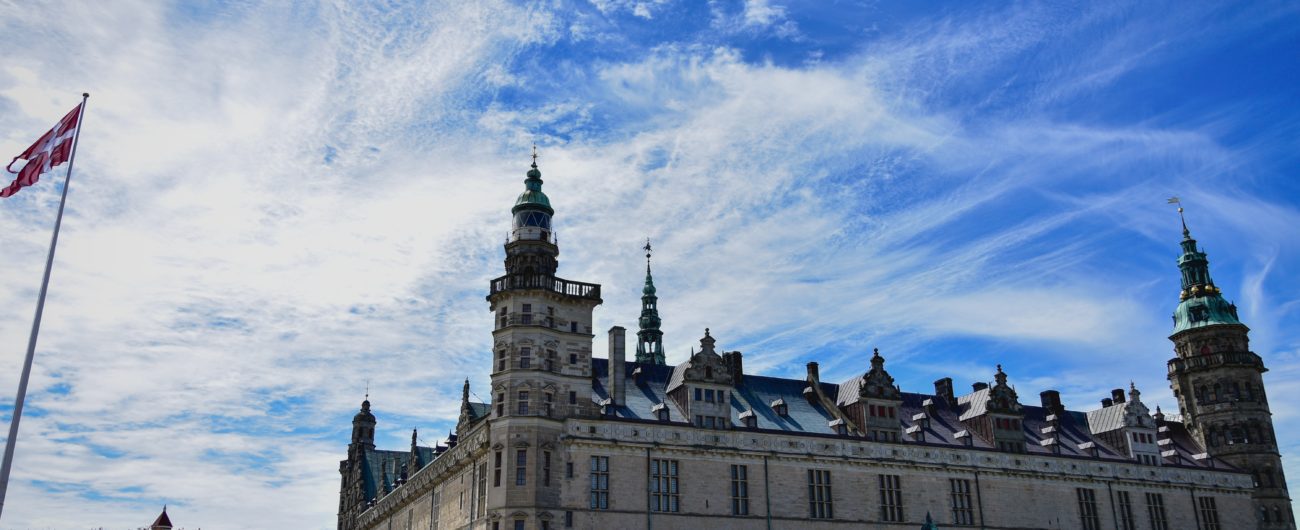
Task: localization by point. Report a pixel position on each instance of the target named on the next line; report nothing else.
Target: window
(708, 395)
(699, 394)
(519, 524)
(1126, 521)
(1209, 513)
(573, 397)
(501, 403)
(820, 505)
(568, 470)
(525, 357)
(739, 490)
(568, 519)
(1088, 509)
(1156, 511)
(962, 513)
(496, 470)
(891, 498)
(481, 496)
(573, 358)
(528, 308)
(501, 361)
(663, 486)
(546, 468)
(600, 482)
(521, 467)
(550, 399)
(523, 402)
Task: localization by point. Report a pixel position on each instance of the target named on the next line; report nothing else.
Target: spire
(649, 344)
(363, 426)
(162, 522)
(1201, 302)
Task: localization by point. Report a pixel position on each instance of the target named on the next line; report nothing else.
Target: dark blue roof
(809, 417)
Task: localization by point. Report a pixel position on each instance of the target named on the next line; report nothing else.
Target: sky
(277, 206)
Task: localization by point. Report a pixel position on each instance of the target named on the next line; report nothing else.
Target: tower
(353, 494)
(1219, 385)
(541, 373)
(649, 339)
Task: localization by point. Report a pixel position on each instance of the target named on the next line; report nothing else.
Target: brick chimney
(617, 356)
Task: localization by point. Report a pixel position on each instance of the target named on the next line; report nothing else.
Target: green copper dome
(532, 198)
(1202, 311)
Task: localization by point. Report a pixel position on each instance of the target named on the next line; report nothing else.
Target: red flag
(53, 148)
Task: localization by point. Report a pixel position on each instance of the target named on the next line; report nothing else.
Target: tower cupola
(650, 340)
(363, 427)
(1201, 303)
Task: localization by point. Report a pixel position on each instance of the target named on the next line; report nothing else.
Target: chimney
(813, 376)
(734, 363)
(1106, 402)
(617, 355)
(979, 386)
(1117, 395)
(1051, 400)
(943, 389)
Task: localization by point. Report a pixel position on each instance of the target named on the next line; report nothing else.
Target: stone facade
(571, 441)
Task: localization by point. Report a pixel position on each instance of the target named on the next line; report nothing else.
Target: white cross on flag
(52, 149)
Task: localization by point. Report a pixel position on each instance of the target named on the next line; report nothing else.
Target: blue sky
(276, 205)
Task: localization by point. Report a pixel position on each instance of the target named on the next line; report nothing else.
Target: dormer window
(661, 412)
(749, 419)
(780, 407)
(841, 428)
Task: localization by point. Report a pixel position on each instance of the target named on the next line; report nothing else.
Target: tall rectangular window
(1088, 515)
(963, 512)
(600, 482)
(523, 402)
(481, 502)
(891, 498)
(568, 519)
(1126, 520)
(820, 505)
(1209, 513)
(739, 490)
(521, 467)
(664, 496)
(1156, 511)
(496, 470)
(525, 357)
(546, 468)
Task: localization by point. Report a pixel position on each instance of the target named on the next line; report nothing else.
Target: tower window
(523, 402)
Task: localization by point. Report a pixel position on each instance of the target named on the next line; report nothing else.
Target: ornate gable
(877, 383)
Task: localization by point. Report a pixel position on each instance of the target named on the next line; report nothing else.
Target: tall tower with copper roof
(1220, 388)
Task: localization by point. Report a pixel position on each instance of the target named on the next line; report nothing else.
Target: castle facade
(572, 441)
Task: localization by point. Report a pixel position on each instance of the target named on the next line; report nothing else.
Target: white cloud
(276, 206)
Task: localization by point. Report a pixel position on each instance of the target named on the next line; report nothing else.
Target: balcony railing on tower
(546, 282)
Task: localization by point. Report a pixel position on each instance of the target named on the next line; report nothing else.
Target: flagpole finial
(85, 94)
(1175, 200)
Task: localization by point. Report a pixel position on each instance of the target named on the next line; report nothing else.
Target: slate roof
(383, 468)
(162, 521)
(1107, 419)
(756, 393)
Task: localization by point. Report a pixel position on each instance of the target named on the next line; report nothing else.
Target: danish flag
(52, 149)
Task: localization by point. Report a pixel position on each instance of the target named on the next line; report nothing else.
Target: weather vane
(535, 155)
(1179, 202)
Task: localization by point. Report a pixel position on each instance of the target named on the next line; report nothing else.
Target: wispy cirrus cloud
(278, 205)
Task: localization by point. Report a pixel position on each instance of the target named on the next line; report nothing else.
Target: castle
(572, 441)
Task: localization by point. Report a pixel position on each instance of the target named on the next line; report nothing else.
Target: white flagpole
(36, 322)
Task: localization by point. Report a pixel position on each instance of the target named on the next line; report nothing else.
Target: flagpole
(36, 322)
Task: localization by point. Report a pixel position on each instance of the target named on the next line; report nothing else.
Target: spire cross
(535, 155)
(367, 390)
(647, 255)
